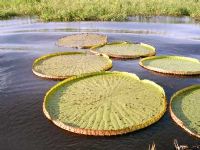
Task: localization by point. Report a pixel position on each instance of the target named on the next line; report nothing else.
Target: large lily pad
(184, 109)
(106, 103)
(83, 40)
(66, 64)
(172, 65)
(125, 50)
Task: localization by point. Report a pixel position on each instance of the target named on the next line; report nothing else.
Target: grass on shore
(104, 10)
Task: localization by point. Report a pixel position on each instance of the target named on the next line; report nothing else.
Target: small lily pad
(83, 40)
(125, 50)
(105, 103)
(184, 109)
(172, 65)
(66, 64)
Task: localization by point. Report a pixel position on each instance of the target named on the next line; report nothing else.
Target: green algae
(63, 65)
(106, 101)
(185, 105)
(125, 50)
(172, 64)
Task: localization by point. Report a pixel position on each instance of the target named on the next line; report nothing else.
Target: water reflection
(184, 28)
(163, 19)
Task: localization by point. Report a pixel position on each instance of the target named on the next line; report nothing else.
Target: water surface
(22, 123)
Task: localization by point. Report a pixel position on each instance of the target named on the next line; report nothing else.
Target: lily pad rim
(174, 117)
(81, 47)
(170, 72)
(64, 53)
(94, 50)
(103, 132)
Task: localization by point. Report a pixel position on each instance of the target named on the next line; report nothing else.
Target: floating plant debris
(184, 109)
(125, 50)
(83, 40)
(172, 65)
(185, 147)
(105, 103)
(66, 64)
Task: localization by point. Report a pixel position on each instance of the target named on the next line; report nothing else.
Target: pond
(22, 123)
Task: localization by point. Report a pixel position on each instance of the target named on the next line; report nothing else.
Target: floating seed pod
(184, 109)
(83, 40)
(104, 104)
(125, 50)
(66, 64)
(172, 65)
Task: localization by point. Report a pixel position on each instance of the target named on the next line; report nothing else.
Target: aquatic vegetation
(118, 10)
(83, 40)
(66, 64)
(125, 50)
(184, 109)
(172, 65)
(105, 103)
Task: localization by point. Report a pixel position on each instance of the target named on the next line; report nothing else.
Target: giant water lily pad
(106, 103)
(184, 109)
(172, 65)
(83, 40)
(66, 64)
(125, 50)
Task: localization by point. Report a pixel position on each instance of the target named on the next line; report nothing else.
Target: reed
(109, 10)
(152, 147)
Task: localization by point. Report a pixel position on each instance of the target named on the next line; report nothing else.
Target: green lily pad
(184, 109)
(124, 50)
(172, 65)
(66, 64)
(105, 103)
(83, 40)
